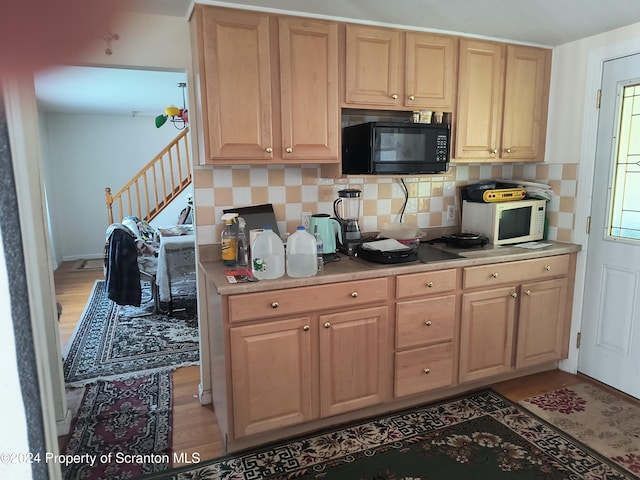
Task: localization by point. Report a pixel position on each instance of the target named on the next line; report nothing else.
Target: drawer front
(515, 272)
(425, 283)
(424, 369)
(260, 305)
(421, 322)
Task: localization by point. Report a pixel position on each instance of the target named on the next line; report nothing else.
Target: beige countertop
(346, 268)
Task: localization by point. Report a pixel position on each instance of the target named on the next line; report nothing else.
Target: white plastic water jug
(302, 254)
(267, 255)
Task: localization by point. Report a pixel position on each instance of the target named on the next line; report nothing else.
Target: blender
(347, 211)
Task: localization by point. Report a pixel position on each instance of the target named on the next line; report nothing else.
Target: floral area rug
(123, 430)
(479, 436)
(112, 341)
(605, 422)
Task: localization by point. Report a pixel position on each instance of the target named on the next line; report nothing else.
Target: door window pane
(625, 211)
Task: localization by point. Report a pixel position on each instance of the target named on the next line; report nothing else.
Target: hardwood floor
(195, 430)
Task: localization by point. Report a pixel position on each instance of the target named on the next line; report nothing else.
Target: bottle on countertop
(229, 240)
(302, 254)
(320, 245)
(242, 247)
(267, 255)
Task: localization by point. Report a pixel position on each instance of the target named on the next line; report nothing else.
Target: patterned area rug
(478, 436)
(112, 341)
(605, 422)
(123, 430)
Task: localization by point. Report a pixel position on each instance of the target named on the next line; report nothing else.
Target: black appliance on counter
(395, 148)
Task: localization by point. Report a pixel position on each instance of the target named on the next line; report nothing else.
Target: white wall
(573, 117)
(85, 154)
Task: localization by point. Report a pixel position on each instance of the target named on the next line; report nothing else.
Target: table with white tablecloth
(176, 259)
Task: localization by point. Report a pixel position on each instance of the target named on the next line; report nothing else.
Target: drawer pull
(305, 328)
(430, 284)
(275, 305)
(354, 294)
(288, 150)
(427, 371)
(547, 267)
(514, 294)
(428, 323)
(494, 274)
(327, 325)
(528, 292)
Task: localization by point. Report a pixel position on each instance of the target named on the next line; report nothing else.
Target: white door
(610, 349)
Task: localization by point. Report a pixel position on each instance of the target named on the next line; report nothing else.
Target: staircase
(155, 185)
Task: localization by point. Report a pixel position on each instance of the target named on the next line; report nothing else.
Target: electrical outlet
(304, 219)
(451, 212)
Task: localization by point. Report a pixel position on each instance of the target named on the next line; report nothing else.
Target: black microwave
(395, 148)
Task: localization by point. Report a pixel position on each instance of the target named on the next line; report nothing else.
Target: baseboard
(205, 396)
(63, 427)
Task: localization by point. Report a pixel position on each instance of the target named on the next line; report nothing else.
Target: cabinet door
(354, 368)
(481, 73)
(486, 333)
(525, 103)
(271, 375)
(430, 70)
(372, 67)
(236, 82)
(542, 322)
(309, 89)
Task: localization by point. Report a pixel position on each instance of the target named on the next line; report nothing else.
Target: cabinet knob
(268, 150)
(412, 97)
(494, 151)
(306, 328)
(528, 292)
(427, 371)
(547, 267)
(430, 284)
(327, 325)
(494, 274)
(275, 305)
(288, 149)
(514, 294)
(428, 323)
(508, 150)
(394, 96)
(354, 294)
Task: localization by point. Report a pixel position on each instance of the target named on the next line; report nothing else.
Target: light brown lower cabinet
(289, 361)
(486, 333)
(276, 367)
(515, 326)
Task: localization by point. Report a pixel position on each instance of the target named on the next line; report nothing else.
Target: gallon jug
(302, 254)
(267, 255)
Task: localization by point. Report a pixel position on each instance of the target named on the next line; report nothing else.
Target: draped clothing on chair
(123, 273)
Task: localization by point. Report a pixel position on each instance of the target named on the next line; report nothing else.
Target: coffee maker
(347, 211)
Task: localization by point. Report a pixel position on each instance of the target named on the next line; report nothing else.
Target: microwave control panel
(441, 149)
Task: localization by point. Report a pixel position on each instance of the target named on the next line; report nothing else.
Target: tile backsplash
(300, 188)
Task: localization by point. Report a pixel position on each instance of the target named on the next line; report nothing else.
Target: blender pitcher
(347, 210)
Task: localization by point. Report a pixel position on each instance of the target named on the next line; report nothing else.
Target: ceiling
(145, 92)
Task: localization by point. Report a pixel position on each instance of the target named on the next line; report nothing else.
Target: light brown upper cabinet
(503, 96)
(268, 87)
(392, 69)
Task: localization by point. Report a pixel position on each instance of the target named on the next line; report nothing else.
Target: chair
(131, 257)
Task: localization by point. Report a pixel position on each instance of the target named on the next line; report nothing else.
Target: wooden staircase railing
(155, 185)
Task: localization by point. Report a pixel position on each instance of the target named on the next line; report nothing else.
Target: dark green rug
(478, 436)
